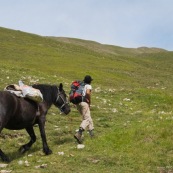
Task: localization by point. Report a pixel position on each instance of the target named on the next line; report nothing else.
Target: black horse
(20, 113)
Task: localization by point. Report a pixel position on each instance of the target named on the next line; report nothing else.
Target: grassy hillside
(132, 104)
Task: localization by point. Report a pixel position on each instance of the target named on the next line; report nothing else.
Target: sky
(125, 23)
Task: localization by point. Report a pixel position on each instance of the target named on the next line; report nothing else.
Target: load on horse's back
(21, 113)
(25, 91)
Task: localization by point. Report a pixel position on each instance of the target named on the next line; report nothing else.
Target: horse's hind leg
(27, 146)
(2, 154)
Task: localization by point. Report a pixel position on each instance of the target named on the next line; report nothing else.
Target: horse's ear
(60, 86)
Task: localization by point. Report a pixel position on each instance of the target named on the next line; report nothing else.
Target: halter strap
(59, 96)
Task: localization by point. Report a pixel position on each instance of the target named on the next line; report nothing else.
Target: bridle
(64, 102)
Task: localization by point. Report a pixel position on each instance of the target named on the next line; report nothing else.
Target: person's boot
(91, 133)
(78, 135)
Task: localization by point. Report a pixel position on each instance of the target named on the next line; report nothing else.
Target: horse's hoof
(47, 152)
(6, 159)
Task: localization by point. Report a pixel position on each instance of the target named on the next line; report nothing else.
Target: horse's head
(61, 100)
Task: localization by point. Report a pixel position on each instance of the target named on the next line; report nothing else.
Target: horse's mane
(49, 92)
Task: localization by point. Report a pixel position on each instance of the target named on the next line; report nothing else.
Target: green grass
(132, 105)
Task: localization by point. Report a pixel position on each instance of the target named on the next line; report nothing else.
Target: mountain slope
(76, 58)
(109, 49)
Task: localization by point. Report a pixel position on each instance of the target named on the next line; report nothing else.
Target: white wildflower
(58, 129)
(5, 171)
(61, 153)
(80, 146)
(126, 99)
(114, 110)
(104, 101)
(163, 88)
(20, 162)
(26, 163)
(97, 89)
(111, 90)
(3, 165)
(161, 112)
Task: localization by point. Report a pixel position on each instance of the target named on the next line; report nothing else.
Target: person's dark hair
(87, 79)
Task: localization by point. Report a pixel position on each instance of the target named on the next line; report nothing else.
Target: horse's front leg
(41, 123)
(27, 146)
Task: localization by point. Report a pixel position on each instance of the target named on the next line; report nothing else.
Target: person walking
(84, 109)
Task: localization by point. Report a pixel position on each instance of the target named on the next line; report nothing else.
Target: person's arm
(88, 96)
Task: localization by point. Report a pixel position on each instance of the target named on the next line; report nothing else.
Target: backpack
(76, 92)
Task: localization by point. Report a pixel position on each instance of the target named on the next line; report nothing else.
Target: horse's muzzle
(65, 110)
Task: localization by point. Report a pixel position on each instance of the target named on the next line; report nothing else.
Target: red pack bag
(76, 92)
